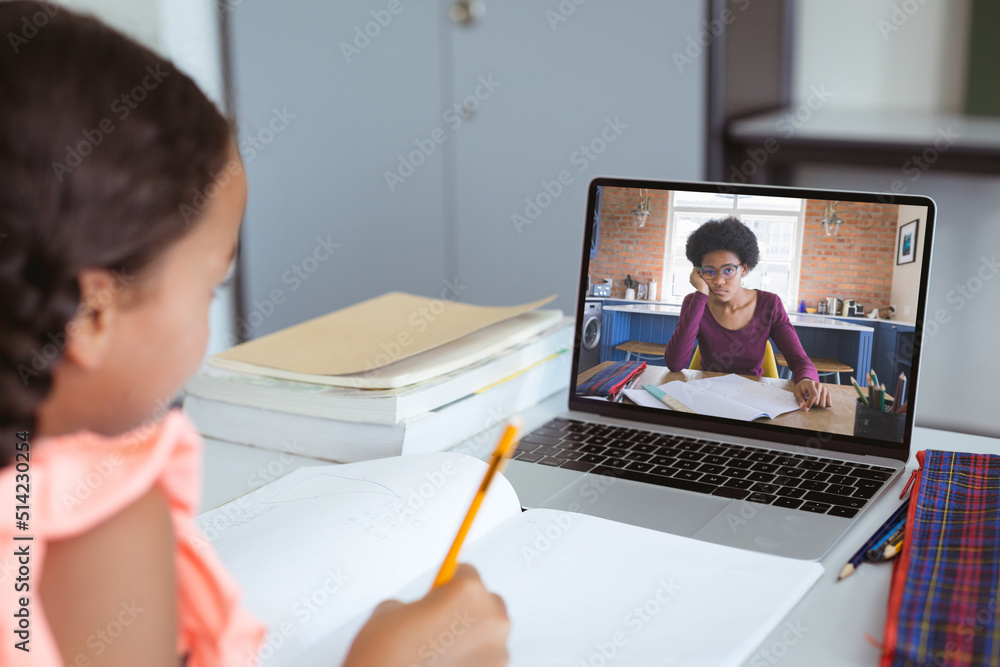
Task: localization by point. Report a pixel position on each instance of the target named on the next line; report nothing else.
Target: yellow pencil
(894, 548)
(508, 442)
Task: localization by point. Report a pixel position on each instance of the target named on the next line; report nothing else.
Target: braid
(35, 307)
(74, 198)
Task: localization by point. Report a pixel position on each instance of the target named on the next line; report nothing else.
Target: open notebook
(316, 550)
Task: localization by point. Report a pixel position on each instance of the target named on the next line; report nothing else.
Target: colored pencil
(893, 550)
(861, 394)
(877, 549)
(900, 393)
(882, 531)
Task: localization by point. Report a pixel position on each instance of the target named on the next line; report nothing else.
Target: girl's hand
(698, 282)
(459, 623)
(810, 393)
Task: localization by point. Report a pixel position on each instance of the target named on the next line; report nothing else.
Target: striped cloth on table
(948, 606)
(611, 380)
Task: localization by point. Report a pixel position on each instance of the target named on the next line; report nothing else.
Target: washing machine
(590, 348)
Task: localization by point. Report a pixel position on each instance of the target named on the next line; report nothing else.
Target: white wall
(919, 68)
(137, 18)
(888, 54)
(187, 32)
(905, 286)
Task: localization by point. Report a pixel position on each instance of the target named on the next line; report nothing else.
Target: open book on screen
(317, 550)
(730, 396)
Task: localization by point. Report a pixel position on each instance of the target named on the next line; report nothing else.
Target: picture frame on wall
(906, 251)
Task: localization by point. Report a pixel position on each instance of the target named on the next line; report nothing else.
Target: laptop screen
(739, 298)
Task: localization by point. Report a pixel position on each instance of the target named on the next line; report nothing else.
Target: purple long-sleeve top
(741, 351)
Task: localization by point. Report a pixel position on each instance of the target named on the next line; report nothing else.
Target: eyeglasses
(728, 271)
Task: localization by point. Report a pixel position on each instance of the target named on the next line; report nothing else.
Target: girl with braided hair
(118, 218)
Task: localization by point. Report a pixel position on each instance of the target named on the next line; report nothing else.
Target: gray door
(591, 92)
(366, 177)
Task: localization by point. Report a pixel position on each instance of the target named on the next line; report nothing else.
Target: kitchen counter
(849, 340)
(666, 304)
(797, 319)
(859, 318)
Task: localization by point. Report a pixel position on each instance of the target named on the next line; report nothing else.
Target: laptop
(790, 485)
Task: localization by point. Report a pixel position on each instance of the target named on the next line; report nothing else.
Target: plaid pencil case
(611, 380)
(943, 600)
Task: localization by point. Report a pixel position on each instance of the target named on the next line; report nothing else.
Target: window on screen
(775, 221)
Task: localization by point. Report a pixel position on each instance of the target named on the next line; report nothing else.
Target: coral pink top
(79, 481)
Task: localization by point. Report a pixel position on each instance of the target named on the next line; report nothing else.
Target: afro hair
(729, 234)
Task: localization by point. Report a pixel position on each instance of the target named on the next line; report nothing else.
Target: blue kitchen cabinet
(892, 350)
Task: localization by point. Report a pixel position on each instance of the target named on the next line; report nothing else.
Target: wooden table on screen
(839, 418)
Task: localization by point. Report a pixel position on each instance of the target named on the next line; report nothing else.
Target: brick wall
(626, 250)
(856, 264)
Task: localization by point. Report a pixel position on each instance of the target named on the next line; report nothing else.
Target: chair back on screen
(770, 365)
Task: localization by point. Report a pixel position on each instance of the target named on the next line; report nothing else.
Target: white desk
(233, 470)
(835, 616)
(826, 629)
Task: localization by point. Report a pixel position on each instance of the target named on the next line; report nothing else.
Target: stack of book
(398, 374)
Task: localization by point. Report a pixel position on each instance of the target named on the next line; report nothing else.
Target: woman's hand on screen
(698, 282)
(809, 393)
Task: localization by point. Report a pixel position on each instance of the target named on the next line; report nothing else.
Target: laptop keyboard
(755, 474)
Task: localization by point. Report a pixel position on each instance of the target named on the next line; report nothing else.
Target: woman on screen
(730, 324)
